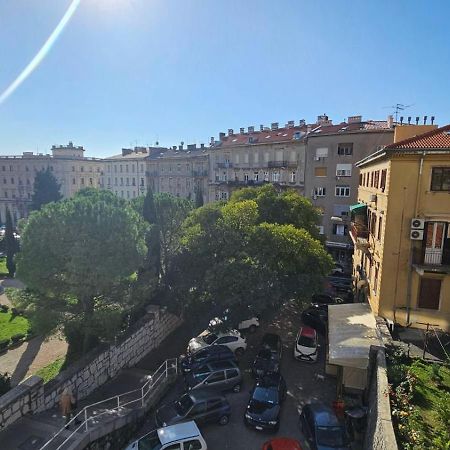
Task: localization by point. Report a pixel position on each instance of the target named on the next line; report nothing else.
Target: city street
(302, 384)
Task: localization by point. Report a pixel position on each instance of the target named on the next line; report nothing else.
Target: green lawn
(9, 327)
(49, 372)
(3, 269)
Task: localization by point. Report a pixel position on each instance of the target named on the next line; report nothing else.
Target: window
(236, 158)
(82, 169)
(343, 170)
(12, 180)
(226, 339)
(360, 179)
(256, 157)
(90, 181)
(440, 179)
(275, 177)
(293, 176)
(120, 168)
(320, 171)
(376, 178)
(429, 293)
(174, 447)
(255, 176)
(232, 373)
(339, 229)
(321, 152)
(193, 445)
(319, 191)
(380, 226)
(342, 191)
(320, 228)
(246, 158)
(82, 181)
(266, 176)
(126, 168)
(345, 149)
(245, 176)
(383, 180)
(216, 377)
(74, 181)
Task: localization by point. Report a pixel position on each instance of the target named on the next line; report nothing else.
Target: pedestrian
(66, 403)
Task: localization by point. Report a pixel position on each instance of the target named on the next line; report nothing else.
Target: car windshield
(306, 341)
(330, 436)
(264, 354)
(265, 395)
(183, 405)
(209, 338)
(150, 442)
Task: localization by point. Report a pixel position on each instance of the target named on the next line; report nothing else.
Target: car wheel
(252, 328)
(239, 351)
(224, 420)
(237, 388)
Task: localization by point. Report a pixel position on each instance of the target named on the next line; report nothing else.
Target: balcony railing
(359, 235)
(284, 163)
(431, 257)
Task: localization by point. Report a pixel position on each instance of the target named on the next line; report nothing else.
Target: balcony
(224, 165)
(431, 260)
(199, 173)
(273, 164)
(359, 235)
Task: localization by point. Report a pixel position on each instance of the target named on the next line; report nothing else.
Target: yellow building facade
(401, 231)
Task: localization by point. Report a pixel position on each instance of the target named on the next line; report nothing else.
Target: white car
(182, 436)
(250, 324)
(306, 347)
(231, 339)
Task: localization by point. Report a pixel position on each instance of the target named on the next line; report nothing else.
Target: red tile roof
(435, 139)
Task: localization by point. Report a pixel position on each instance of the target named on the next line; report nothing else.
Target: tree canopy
(46, 189)
(76, 257)
(11, 244)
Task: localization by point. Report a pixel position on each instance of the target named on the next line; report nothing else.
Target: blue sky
(139, 71)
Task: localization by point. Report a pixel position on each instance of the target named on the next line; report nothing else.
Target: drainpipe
(410, 257)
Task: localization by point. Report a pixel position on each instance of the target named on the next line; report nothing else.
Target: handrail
(168, 364)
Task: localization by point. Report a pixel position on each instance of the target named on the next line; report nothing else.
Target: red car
(282, 444)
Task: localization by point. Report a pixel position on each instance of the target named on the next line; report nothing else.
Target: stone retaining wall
(91, 371)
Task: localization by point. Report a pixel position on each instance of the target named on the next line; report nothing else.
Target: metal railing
(91, 415)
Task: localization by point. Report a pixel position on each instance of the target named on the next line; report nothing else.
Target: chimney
(354, 119)
(401, 120)
(425, 120)
(322, 119)
(127, 151)
(409, 120)
(230, 131)
(202, 146)
(432, 120)
(417, 120)
(302, 122)
(191, 146)
(290, 124)
(221, 136)
(174, 147)
(390, 121)
(241, 130)
(308, 129)
(251, 129)
(274, 126)
(261, 128)
(212, 140)
(180, 147)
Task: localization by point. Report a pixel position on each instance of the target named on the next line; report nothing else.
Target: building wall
(322, 179)
(407, 195)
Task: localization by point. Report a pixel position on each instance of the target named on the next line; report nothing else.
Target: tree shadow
(26, 360)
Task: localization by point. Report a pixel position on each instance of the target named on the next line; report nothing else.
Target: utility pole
(425, 341)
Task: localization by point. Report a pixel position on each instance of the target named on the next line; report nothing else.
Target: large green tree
(231, 257)
(11, 244)
(46, 189)
(77, 258)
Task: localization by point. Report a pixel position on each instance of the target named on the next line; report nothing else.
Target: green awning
(359, 208)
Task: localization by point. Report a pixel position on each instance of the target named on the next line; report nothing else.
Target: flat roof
(352, 329)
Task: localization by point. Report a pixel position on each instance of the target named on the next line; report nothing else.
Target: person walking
(66, 403)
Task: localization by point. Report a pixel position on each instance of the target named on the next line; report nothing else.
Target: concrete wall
(91, 371)
(380, 432)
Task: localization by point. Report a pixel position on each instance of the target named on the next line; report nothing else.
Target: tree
(10, 244)
(231, 258)
(77, 258)
(46, 189)
(199, 197)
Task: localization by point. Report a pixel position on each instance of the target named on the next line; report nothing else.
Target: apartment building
(254, 157)
(331, 180)
(180, 172)
(67, 162)
(401, 230)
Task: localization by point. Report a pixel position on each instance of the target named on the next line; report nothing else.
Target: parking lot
(303, 386)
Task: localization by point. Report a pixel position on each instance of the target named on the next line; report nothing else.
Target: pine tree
(46, 189)
(10, 244)
(152, 263)
(149, 209)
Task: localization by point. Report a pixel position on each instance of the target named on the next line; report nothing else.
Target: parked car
(306, 347)
(185, 434)
(250, 322)
(205, 355)
(264, 406)
(282, 443)
(325, 299)
(201, 406)
(316, 316)
(322, 428)
(215, 376)
(231, 339)
(268, 358)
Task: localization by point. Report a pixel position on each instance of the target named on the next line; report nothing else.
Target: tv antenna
(398, 107)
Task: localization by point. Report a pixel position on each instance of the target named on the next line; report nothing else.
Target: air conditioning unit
(417, 224)
(373, 197)
(416, 235)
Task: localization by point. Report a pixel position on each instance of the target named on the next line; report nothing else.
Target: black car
(322, 428)
(273, 342)
(266, 362)
(201, 406)
(316, 316)
(205, 355)
(264, 406)
(325, 299)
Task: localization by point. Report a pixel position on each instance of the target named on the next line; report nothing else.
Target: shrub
(17, 338)
(4, 344)
(4, 308)
(5, 383)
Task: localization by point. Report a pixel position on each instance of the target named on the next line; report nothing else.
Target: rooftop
(435, 139)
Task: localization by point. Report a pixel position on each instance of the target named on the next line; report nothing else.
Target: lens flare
(42, 53)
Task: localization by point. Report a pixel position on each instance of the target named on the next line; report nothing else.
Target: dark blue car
(322, 428)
